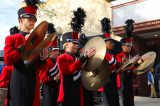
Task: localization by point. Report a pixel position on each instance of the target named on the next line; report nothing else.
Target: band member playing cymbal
(127, 75)
(110, 87)
(69, 65)
(24, 84)
(87, 94)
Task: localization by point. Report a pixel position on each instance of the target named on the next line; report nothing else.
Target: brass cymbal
(129, 62)
(94, 73)
(36, 36)
(45, 43)
(100, 46)
(148, 62)
(94, 80)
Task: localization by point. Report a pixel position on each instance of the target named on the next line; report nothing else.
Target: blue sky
(8, 17)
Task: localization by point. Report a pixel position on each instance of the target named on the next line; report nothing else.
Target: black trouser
(88, 97)
(111, 90)
(128, 94)
(22, 87)
(50, 93)
(71, 91)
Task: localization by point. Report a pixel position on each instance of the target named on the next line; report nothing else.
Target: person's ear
(20, 20)
(67, 45)
(122, 46)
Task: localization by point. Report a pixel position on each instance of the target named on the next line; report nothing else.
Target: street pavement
(147, 101)
(141, 101)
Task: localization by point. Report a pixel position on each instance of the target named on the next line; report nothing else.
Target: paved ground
(142, 101)
(147, 101)
(139, 101)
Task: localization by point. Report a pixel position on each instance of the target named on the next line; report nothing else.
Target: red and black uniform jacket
(23, 78)
(70, 86)
(5, 76)
(113, 64)
(49, 71)
(127, 55)
(122, 55)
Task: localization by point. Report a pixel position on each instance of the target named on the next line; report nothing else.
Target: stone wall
(60, 13)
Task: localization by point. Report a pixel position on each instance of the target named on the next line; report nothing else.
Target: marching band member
(7, 70)
(71, 90)
(127, 75)
(24, 84)
(69, 67)
(87, 94)
(5, 76)
(49, 76)
(110, 87)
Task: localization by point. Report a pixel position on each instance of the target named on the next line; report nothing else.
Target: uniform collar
(109, 51)
(53, 60)
(127, 54)
(24, 33)
(69, 53)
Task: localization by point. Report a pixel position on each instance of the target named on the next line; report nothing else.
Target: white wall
(140, 12)
(95, 11)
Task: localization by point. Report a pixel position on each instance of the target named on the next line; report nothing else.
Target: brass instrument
(128, 63)
(145, 62)
(36, 43)
(148, 60)
(94, 73)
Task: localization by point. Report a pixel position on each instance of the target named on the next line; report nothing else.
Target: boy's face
(72, 47)
(53, 53)
(126, 48)
(109, 45)
(27, 23)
